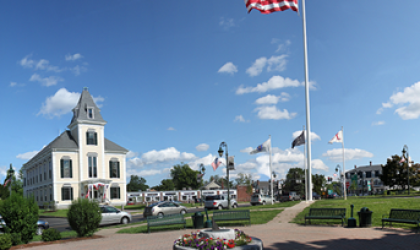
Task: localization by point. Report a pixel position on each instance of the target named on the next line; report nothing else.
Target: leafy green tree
(84, 217)
(136, 183)
(183, 176)
(394, 173)
(295, 181)
(166, 184)
(319, 181)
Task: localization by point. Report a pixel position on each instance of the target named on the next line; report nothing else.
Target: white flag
(337, 137)
(265, 147)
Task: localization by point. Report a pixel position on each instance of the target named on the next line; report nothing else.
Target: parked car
(334, 195)
(42, 225)
(163, 208)
(259, 199)
(111, 215)
(316, 196)
(219, 202)
(292, 196)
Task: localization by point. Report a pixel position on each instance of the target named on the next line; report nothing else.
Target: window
(90, 113)
(66, 168)
(114, 169)
(50, 171)
(45, 171)
(377, 173)
(93, 173)
(91, 138)
(115, 193)
(368, 174)
(51, 194)
(66, 193)
(40, 195)
(45, 194)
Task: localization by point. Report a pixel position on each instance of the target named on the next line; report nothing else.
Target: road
(62, 225)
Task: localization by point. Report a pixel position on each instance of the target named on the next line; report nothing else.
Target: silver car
(111, 215)
(42, 225)
(163, 208)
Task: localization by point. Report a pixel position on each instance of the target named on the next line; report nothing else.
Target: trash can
(197, 219)
(365, 217)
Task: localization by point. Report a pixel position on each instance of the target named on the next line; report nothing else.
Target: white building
(80, 162)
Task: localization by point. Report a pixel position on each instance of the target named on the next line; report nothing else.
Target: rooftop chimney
(355, 166)
(371, 163)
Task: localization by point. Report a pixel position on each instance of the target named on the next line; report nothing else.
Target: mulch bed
(42, 243)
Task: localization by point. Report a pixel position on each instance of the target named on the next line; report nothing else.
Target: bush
(5, 241)
(84, 217)
(51, 234)
(20, 215)
(52, 206)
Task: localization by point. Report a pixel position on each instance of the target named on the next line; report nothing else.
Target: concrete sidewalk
(276, 234)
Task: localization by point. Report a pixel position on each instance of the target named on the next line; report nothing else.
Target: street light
(340, 179)
(220, 151)
(407, 159)
(12, 172)
(203, 170)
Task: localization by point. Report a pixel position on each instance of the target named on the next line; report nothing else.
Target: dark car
(316, 196)
(42, 225)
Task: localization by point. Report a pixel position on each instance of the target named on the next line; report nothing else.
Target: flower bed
(194, 241)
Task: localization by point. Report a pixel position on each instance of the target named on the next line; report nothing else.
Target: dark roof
(113, 147)
(80, 112)
(365, 168)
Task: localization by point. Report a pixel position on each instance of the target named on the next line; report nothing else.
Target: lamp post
(220, 151)
(273, 175)
(203, 170)
(407, 159)
(12, 172)
(338, 170)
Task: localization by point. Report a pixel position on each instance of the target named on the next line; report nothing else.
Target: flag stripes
(270, 6)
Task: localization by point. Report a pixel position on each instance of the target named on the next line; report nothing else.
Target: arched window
(91, 137)
(66, 167)
(114, 168)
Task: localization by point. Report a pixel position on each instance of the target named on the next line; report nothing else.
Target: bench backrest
(405, 214)
(232, 214)
(327, 212)
(170, 218)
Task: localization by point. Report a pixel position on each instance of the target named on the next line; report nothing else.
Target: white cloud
(247, 150)
(202, 147)
(275, 82)
(131, 154)
(38, 65)
(281, 46)
(272, 99)
(3, 170)
(378, 123)
(165, 155)
(78, 69)
(336, 155)
(47, 81)
(274, 63)
(73, 57)
(319, 164)
(62, 102)
(407, 101)
(240, 118)
(314, 136)
(227, 23)
(12, 84)
(271, 112)
(229, 68)
(27, 155)
(149, 172)
(171, 129)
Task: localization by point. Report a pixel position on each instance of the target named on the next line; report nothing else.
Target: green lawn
(257, 217)
(64, 235)
(379, 207)
(58, 213)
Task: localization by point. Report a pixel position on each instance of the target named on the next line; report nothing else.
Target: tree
(136, 183)
(165, 185)
(319, 181)
(295, 181)
(183, 176)
(394, 173)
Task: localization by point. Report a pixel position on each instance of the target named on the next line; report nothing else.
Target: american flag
(269, 6)
(5, 183)
(216, 163)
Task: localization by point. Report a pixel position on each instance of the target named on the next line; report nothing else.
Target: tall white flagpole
(343, 173)
(308, 119)
(271, 173)
(306, 174)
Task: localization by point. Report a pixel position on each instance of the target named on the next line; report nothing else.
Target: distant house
(367, 179)
(80, 162)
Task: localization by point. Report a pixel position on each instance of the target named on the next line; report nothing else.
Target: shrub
(52, 206)
(5, 241)
(84, 217)
(20, 215)
(51, 234)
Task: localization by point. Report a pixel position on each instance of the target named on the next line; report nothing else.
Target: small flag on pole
(402, 160)
(7, 181)
(265, 147)
(300, 140)
(269, 6)
(216, 163)
(337, 137)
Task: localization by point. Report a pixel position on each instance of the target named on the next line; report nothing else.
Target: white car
(111, 215)
(259, 199)
(219, 202)
(163, 208)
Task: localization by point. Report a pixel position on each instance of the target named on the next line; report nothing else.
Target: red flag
(269, 6)
(216, 163)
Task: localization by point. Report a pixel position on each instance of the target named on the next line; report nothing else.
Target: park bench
(232, 216)
(326, 213)
(408, 216)
(172, 219)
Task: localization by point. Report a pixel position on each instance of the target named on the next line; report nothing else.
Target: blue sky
(175, 78)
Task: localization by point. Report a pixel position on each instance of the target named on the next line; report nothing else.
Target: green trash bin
(365, 217)
(198, 219)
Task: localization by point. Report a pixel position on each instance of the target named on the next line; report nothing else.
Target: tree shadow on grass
(389, 241)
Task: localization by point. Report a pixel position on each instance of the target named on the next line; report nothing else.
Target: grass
(257, 217)
(378, 206)
(64, 235)
(58, 213)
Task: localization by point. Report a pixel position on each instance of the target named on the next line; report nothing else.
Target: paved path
(276, 234)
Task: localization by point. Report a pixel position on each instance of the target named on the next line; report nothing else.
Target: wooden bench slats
(232, 215)
(326, 213)
(408, 216)
(172, 219)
